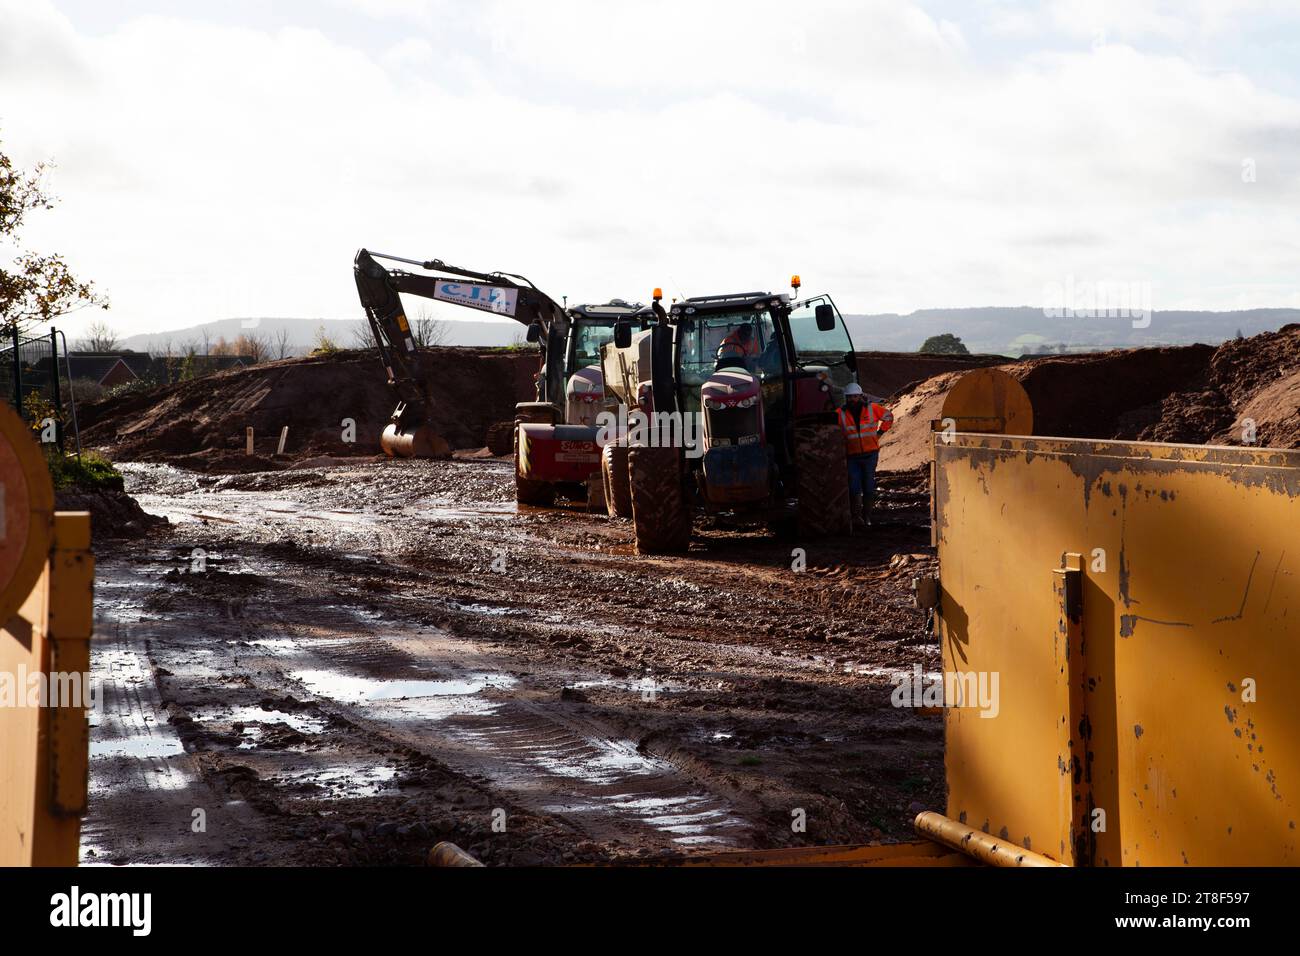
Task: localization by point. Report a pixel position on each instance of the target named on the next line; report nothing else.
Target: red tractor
(737, 397)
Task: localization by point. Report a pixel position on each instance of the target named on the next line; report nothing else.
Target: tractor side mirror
(825, 317)
(534, 331)
(622, 335)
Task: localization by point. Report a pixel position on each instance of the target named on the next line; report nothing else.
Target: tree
(324, 344)
(253, 347)
(428, 330)
(33, 287)
(361, 334)
(165, 356)
(945, 344)
(189, 366)
(100, 337)
(282, 343)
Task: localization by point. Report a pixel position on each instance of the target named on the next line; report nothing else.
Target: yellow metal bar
(1075, 735)
(44, 661)
(978, 845)
(72, 583)
(449, 854)
(923, 853)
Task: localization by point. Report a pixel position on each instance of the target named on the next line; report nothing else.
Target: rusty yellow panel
(44, 670)
(1187, 700)
(922, 853)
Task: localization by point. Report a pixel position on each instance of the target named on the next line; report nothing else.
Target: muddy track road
(346, 664)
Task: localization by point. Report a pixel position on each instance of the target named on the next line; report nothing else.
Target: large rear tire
(661, 513)
(618, 487)
(823, 491)
(539, 494)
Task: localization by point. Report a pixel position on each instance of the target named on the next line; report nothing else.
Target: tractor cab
(591, 326)
(796, 353)
(753, 365)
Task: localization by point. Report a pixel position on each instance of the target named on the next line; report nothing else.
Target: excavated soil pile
(201, 424)
(1109, 395)
(907, 445)
(113, 514)
(1195, 394)
(888, 374)
(1257, 379)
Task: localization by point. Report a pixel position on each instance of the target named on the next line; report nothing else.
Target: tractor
(761, 375)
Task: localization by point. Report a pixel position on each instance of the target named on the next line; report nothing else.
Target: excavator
(555, 443)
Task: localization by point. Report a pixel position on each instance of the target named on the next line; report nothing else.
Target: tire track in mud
(482, 722)
(438, 694)
(143, 787)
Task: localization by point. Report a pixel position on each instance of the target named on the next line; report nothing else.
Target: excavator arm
(512, 296)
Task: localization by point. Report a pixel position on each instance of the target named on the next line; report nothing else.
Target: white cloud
(601, 149)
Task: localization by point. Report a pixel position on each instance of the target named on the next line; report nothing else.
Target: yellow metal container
(1131, 603)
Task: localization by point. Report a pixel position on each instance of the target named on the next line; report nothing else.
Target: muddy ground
(343, 660)
(346, 664)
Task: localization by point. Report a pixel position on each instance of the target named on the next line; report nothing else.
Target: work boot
(855, 507)
(866, 509)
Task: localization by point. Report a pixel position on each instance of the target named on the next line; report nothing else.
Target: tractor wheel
(539, 494)
(823, 480)
(661, 512)
(618, 490)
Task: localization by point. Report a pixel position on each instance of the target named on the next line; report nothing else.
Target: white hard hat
(853, 388)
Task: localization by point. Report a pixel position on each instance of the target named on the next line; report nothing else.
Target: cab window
(587, 340)
(746, 338)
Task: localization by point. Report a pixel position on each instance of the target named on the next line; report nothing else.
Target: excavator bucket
(408, 437)
(418, 442)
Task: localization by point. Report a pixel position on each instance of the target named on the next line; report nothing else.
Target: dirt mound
(201, 424)
(907, 445)
(1195, 394)
(1259, 378)
(888, 374)
(1110, 394)
(1254, 379)
(113, 514)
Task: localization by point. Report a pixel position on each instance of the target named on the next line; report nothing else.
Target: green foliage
(324, 344)
(33, 287)
(37, 409)
(91, 472)
(130, 388)
(945, 344)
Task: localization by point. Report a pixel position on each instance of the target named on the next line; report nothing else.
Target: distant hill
(301, 334)
(995, 330)
(1018, 330)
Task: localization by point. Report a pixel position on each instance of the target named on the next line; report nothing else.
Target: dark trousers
(862, 473)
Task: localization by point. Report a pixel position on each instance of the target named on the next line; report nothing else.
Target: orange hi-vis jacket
(732, 347)
(861, 435)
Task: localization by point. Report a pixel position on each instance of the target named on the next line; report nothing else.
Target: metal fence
(30, 380)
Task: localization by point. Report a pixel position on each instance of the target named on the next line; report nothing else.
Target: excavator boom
(409, 434)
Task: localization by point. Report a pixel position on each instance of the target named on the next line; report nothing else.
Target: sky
(217, 160)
